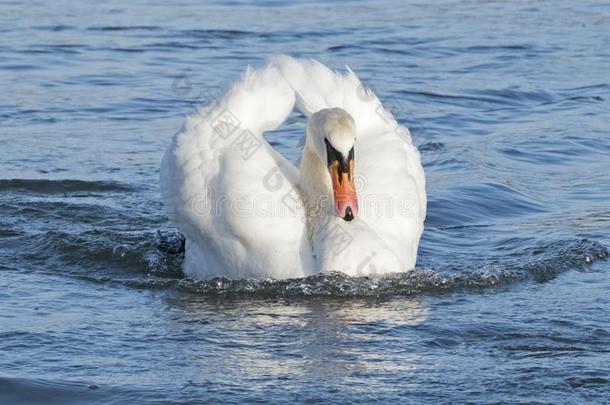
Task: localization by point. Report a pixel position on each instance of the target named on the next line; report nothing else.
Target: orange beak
(344, 189)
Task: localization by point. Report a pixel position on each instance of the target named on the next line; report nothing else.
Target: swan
(355, 202)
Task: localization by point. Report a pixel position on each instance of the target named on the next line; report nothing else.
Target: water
(508, 104)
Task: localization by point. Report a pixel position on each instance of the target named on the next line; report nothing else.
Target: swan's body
(247, 212)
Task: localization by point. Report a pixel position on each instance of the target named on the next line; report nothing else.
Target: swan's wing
(230, 192)
(391, 192)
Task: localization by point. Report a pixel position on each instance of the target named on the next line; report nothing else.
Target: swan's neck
(316, 187)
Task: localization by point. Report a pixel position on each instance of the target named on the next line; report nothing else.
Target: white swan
(356, 204)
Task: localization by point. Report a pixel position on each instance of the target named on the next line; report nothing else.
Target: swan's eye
(333, 155)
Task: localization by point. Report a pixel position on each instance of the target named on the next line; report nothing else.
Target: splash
(540, 263)
(152, 260)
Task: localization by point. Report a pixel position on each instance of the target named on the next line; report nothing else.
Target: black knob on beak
(349, 215)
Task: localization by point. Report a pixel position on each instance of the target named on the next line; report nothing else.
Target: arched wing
(226, 188)
(390, 177)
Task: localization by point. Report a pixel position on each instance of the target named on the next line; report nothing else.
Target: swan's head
(333, 133)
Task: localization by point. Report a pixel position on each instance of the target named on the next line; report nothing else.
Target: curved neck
(315, 184)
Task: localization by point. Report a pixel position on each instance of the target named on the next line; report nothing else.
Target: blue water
(509, 106)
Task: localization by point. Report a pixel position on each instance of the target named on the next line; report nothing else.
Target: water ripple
(63, 186)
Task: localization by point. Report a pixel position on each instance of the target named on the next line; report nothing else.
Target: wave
(37, 390)
(541, 263)
(144, 260)
(62, 186)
